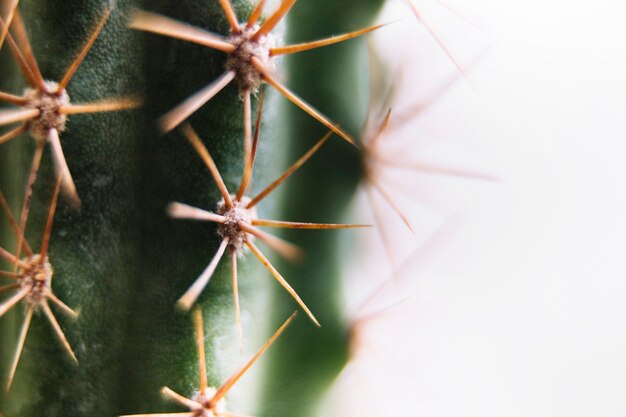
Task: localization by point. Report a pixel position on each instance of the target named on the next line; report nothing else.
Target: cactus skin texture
(334, 80)
(122, 263)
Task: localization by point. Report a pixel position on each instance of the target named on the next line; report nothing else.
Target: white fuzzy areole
(204, 399)
(240, 60)
(234, 215)
(37, 278)
(49, 103)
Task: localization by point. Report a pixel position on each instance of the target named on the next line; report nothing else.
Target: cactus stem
(210, 401)
(83, 53)
(249, 62)
(35, 281)
(47, 104)
(236, 217)
(289, 171)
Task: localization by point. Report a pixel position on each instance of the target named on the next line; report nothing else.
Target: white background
(517, 308)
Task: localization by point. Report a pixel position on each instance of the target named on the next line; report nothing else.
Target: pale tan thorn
(185, 109)
(282, 281)
(21, 61)
(17, 115)
(307, 46)
(64, 307)
(10, 275)
(184, 401)
(15, 298)
(440, 170)
(185, 414)
(204, 154)
(45, 242)
(184, 211)
(439, 41)
(289, 171)
(300, 225)
(12, 99)
(13, 133)
(161, 25)
(247, 174)
(28, 192)
(63, 172)
(232, 380)
(274, 19)
(58, 330)
(247, 141)
(230, 15)
(257, 129)
(422, 252)
(381, 228)
(299, 102)
(7, 288)
(374, 76)
(254, 16)
(84, 51)
(383, 128)
(189, 298)
(233, 262)
(382, 311)
(4, 29)
(20, 345)
(12, 259)
(417, 109)
(16, 228)
(22, 39)
(124, 103)
(286, 249)
(392, 203)
(199, 332)
(459, 15)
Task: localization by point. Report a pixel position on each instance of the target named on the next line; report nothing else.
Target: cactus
(119, 261)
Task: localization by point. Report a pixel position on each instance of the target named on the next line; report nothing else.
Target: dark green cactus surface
(122, 263)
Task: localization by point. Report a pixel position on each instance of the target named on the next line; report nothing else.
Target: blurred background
(509, 295)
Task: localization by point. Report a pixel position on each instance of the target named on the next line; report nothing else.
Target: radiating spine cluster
(42, 111)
